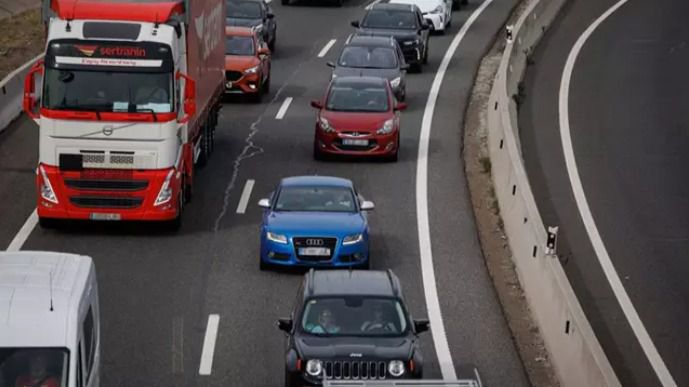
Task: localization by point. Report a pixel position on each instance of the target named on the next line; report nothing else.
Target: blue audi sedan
(315, 221)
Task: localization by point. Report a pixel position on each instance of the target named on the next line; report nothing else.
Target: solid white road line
(442, 348)
(283, 108)
(24, 232)
(326, 48)
(613, 277)
(209, 345)
(246, 195)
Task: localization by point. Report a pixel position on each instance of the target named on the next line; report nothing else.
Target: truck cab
(49, 320)
(126, 100)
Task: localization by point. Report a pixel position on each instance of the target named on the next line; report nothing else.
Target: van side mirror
(421, 326)
(355, 24)
(30, 102)
(189, 105)
(285, 324)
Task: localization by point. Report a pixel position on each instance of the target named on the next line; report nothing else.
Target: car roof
(307, 181)
(394, 7)
(29, 281)
(239, 31)
(359, 81)
(370, 40)
(376, 283)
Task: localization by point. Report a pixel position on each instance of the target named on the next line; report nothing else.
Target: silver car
(373, 56)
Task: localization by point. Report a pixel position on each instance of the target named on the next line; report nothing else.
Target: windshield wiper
(83, 108)
(153, 113)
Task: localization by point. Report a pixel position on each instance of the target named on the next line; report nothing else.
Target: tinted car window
(347, 98)
(368, 57)
(379, 18)
(321, 199)
(244, 10)
(239, 45)
(354, 316)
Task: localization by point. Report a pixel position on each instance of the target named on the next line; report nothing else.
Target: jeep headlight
(315, 367)
(396, 368)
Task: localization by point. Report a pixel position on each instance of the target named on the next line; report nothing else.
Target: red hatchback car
(358, 117)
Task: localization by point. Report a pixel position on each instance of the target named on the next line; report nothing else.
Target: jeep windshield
(354, 316)
(34, 366)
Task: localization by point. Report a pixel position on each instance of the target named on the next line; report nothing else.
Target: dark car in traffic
(255, 14)
(405, 23)
(351, 325)
(373, 56)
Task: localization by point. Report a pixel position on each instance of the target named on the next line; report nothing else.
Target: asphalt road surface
(629, 128)
(158, 290)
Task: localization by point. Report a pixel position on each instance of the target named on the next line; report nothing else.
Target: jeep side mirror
(285, 325)
(355, 24)
(421, 325)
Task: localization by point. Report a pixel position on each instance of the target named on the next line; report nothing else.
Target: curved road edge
(493, 148)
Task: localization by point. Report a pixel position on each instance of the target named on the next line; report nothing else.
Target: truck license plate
(105, 216)
(315, 251)
(349, 141)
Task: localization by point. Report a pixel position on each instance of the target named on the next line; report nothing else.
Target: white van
(49, 320)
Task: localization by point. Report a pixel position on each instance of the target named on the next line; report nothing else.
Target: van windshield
(26, 367)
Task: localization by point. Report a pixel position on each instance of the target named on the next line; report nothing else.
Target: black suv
(351, 325)
(405, 23)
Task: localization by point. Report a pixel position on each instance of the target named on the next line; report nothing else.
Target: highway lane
(158, 289)
(628, 122)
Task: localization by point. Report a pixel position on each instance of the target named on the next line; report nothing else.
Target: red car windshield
(352, 98)
(239, 45)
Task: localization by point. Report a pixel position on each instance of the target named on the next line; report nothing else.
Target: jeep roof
(375, 283)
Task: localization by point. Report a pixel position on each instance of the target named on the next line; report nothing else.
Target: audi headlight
(47, 191)
(165, 193)
(252, 70)
(325, 125)
(278, 238)
(352, 239)
(387, 127)
(396, 368)
(315, 367)
(395, 82)
(438, 9)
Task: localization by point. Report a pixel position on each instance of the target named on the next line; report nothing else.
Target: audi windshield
(104, 77)
(320, 199)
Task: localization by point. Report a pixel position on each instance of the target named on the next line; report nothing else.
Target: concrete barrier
(574, 350)
(11, 93)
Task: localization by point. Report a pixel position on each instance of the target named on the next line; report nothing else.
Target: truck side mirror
(30, 100)
(189, 104)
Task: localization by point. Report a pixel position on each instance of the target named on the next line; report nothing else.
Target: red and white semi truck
(127, 100)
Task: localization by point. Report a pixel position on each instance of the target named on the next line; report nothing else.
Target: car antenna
(50, 273)
(157, 23)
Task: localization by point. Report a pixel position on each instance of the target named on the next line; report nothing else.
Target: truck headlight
(395, 83)
(314, 367)
(277, 238)
(252, 70)
(387, 127)
(396, 368)
(352, 239)
(46, 188)
(165, 193)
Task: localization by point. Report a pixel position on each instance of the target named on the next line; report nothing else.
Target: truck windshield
(24, 367)
(108, 91)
